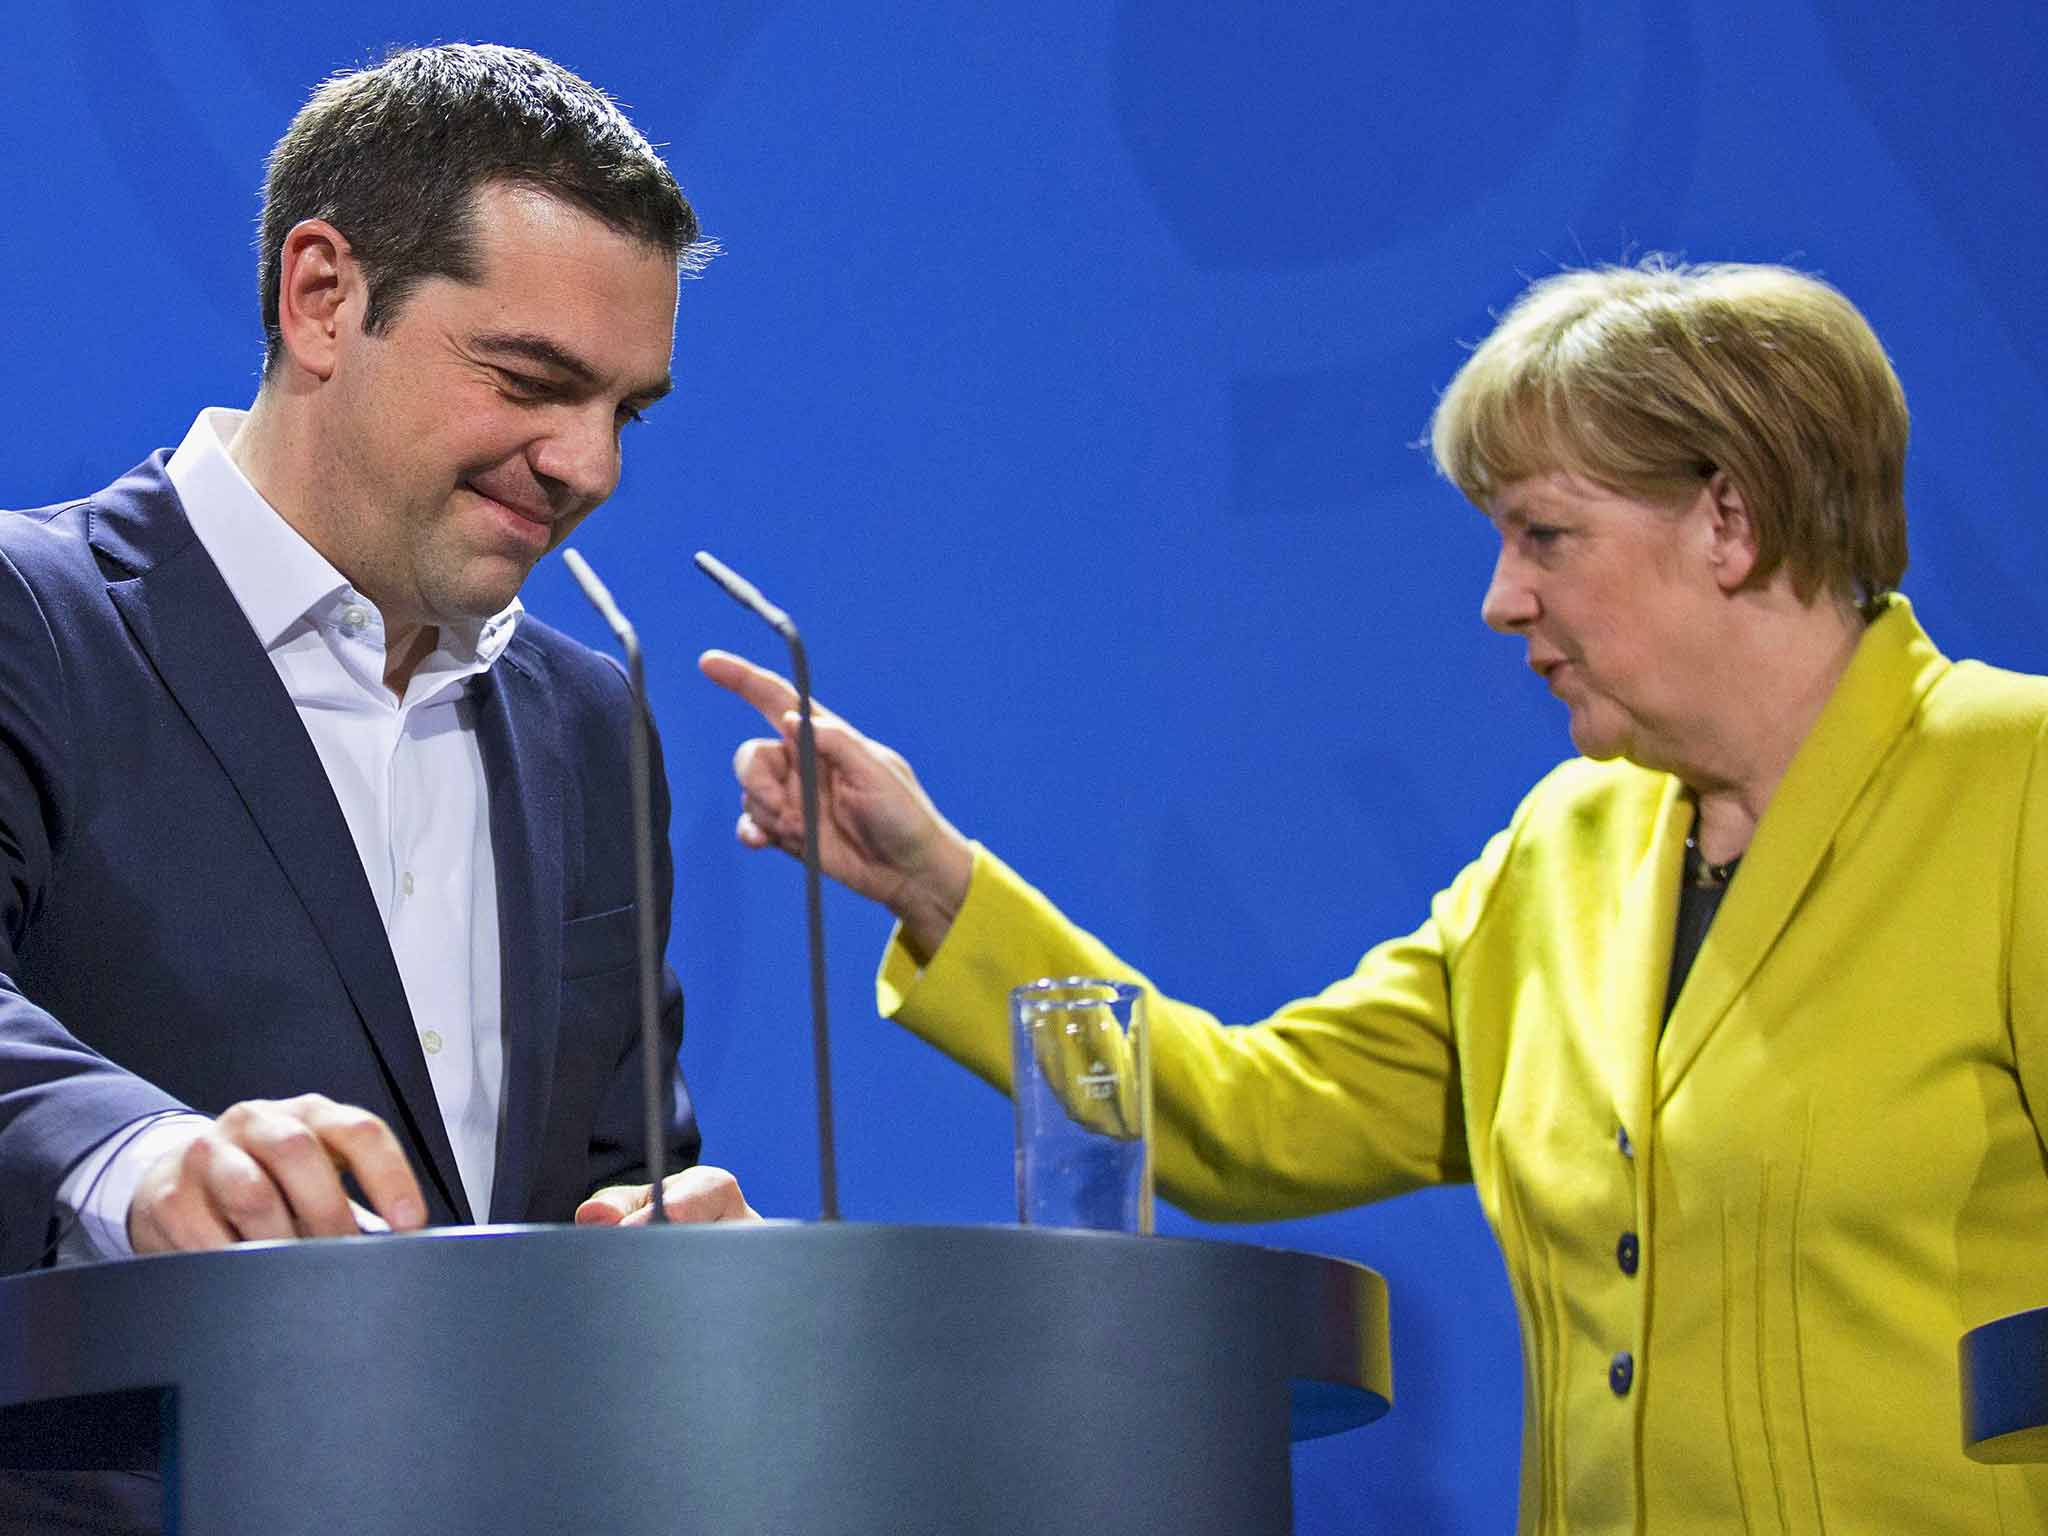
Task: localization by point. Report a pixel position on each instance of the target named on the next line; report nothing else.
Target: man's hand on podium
(702, 1193)
(273, 1168)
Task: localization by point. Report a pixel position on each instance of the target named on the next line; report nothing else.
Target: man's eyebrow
(551, 354)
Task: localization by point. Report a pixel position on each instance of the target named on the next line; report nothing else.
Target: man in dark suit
(315, 860)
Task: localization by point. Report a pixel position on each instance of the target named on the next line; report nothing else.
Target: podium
(774, 1380)
(2005, 1388)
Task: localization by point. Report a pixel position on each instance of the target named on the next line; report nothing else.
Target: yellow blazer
(1742, 1252)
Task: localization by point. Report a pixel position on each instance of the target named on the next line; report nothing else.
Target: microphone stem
(640, 756)
(653, 1072)
(814, 913)
(748, 596)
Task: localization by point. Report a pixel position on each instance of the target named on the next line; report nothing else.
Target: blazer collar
(1893, 667)
(1644, 922)
(182, 615)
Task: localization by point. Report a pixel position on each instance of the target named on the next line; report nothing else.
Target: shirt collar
(277, 578)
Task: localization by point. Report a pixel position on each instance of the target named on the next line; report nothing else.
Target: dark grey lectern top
(2005, 1388)
(775, 1379)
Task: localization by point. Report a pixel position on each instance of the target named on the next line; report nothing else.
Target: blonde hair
(1648, 379)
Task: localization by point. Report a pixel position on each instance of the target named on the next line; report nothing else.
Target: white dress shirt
(409, 777)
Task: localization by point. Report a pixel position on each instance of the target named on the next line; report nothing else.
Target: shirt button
(1627, 1253)
(405, 882)
(1628, 1148)
(1621, 1373)
(354, 617)
(431, 1039)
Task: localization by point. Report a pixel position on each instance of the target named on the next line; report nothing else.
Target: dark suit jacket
(184, 919)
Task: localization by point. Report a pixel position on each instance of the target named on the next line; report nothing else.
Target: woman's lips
(1549, 668)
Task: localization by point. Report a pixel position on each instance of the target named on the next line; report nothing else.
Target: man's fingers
(360, 1144)
(290, 1164)
(162, 1228)
(190, 1226)
(252, 1202)
(179, 1202)
(704, 1193)
(767, 691)
(269, 1169)
(695, 1195)
(608, 1207)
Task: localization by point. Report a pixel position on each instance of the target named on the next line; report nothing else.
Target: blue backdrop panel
(1063, 375)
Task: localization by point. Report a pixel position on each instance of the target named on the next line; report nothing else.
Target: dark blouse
(1700, 890)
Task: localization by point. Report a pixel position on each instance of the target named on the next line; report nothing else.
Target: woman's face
(1618, 601)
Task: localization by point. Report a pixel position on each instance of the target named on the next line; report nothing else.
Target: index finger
(769, 692)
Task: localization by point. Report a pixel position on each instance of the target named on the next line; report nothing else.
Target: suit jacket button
(1628, 1253)
(1621, 1373)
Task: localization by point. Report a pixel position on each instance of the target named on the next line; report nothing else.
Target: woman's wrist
(928, 903)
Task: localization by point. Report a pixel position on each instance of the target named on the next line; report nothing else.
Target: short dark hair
(394, 156)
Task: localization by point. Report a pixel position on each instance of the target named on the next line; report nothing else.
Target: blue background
(1063, 375)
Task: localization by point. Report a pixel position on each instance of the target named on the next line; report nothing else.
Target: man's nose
(580, 452)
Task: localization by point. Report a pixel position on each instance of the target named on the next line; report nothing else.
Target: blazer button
(1627, 1147)
(1621, 1373)
(1627, 1253)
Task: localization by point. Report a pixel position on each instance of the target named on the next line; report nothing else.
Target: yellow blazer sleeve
(1339, 1098)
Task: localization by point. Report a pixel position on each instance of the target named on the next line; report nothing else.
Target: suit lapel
(1893, 667)
(517, 731)
(1643, 928)
(187, 622)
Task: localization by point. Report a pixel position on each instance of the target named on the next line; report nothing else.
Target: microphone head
(746, 594)
(600, 597)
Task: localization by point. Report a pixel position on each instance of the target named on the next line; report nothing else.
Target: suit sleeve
(58, 1098)
(1342, 1097)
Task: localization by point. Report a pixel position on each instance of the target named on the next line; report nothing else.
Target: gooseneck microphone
(748, 596)
(653, 1070)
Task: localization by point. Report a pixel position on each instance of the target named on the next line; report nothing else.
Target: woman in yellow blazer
(1739, 1028)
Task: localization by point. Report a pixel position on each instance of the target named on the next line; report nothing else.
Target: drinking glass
(1083, 1091)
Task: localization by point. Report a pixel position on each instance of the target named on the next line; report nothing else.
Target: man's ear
(320, 296)
(1732, 531)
